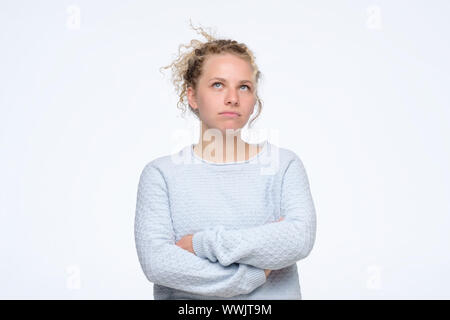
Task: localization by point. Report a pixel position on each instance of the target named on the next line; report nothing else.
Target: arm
(271, 246)
(166, 264)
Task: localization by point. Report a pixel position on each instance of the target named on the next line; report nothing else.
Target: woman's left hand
(186, 243)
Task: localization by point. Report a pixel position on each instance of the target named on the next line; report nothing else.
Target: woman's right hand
(267, 271)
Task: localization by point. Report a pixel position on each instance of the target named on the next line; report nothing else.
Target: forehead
(227, 66)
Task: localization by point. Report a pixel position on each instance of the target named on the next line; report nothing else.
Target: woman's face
(225, 85)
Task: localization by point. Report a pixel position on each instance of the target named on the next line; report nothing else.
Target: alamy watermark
(220, 148)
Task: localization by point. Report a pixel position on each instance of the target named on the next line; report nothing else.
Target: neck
(222, 145)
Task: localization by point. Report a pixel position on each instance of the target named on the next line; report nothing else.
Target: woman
(203, 216)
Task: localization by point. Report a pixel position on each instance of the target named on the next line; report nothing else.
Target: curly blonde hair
(187, 68)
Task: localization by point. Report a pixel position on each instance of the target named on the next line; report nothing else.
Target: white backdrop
(358, 89)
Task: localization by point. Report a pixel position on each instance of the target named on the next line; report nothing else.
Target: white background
(358, 89)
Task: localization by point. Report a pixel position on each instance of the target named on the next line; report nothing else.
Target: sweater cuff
(197, 239)
(256, 276)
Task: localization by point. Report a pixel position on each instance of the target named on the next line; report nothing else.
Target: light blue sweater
(232, 211)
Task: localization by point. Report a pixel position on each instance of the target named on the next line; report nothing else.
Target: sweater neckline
(264, 146)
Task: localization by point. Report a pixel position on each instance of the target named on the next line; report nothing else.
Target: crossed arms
(217, 261)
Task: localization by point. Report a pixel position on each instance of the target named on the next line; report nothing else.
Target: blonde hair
(187, 68)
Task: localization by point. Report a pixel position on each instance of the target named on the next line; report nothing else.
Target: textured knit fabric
(232, 211)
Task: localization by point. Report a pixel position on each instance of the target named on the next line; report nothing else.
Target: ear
(191, 98)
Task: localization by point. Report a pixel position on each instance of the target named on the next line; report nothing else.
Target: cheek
(209, 100)
(250, 111)
(250, 103)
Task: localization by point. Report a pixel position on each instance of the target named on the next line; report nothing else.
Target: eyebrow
(222, 79)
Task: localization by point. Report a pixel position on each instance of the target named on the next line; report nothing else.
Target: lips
(229, 113)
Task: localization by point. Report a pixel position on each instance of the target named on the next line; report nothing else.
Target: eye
(244, 85)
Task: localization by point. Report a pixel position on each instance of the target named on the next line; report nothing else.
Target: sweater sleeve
(165, 263)
(274, 245)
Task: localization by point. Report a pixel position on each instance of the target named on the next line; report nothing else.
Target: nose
(232, 98)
